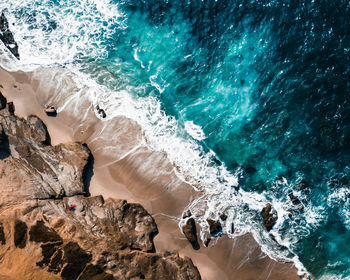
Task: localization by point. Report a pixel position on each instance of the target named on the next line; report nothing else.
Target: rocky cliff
(50, 229)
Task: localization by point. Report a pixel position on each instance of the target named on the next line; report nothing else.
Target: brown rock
(94, 272)
(39, 131)
(190, 232)
(41, 233)
(3, 101)
(215, 227)
(47, 251)
(269, 218)
(75, 259)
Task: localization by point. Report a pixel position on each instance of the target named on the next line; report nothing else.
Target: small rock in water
(215, 227)
(223, 217)
(294, 199)
(51, 111)
(269, 218)
(101, 112)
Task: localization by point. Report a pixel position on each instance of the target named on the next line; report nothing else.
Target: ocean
(249, 99)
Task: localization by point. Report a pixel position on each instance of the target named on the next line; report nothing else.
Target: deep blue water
(267, 81)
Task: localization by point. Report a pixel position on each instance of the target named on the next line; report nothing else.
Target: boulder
(269, 216)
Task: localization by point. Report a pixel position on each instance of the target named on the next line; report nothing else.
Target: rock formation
(269, 216)
(49, 229)
(7, 37)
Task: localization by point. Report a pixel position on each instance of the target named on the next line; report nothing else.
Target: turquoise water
(267, 83)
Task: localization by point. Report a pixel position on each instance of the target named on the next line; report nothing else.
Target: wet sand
(124, 167)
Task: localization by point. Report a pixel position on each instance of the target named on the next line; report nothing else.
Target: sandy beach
(125, 168)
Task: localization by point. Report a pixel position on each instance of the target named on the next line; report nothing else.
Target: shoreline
(145, 177)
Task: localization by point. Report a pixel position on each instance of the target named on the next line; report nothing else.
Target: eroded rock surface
(42, 236)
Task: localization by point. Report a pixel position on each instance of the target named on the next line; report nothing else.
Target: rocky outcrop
(190, 232)
(6, 36)
(49, 224)
(269, 216)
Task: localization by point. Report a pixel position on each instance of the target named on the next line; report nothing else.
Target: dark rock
(190, 232)
(20, 234)
(94, 272)
(57, 262)
(207, 241)
(51, 111)
(223, 217)
(41, 233)
(186, 214)
(269, 218)
(11, 108)
(76, 259)
(5, 150)
(6, 36)
(3, 101)
(47, 250)
(101, 112)
(2, 234)
(294, 199)
(215, 227)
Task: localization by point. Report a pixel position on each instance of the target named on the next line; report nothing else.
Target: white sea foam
(49, 34)
(194, 130)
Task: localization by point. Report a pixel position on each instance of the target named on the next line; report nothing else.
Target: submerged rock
(269, 216)
(6, 36)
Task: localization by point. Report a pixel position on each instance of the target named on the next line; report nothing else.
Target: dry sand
(143, 176)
